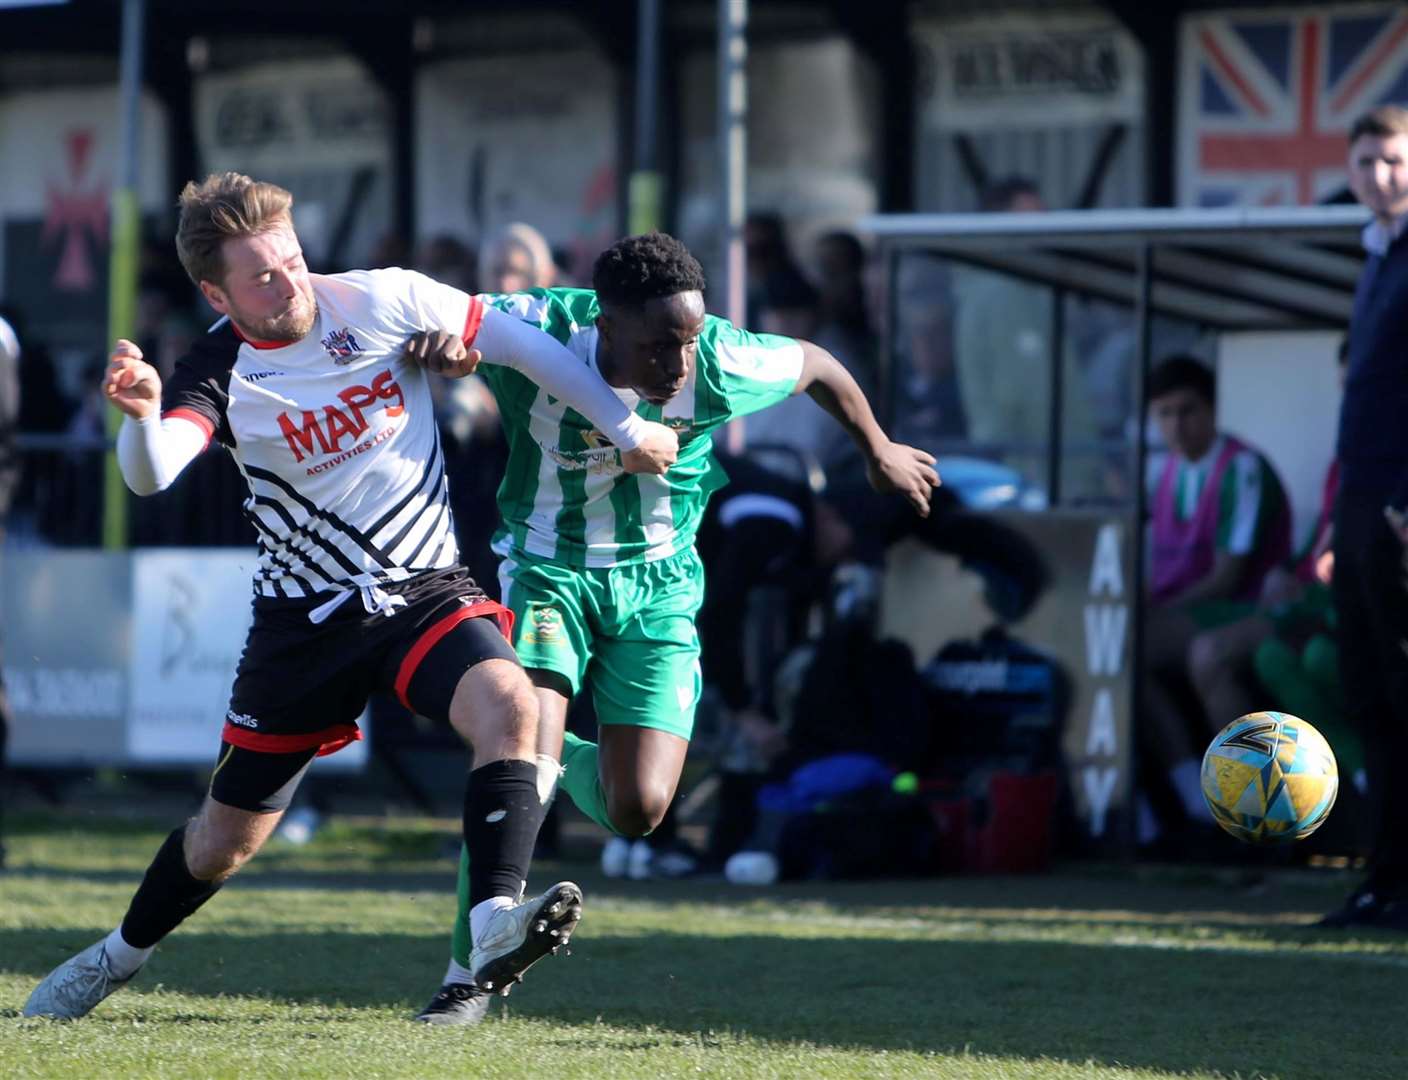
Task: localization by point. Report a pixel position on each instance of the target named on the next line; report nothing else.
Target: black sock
(501, 818)
(167, 895)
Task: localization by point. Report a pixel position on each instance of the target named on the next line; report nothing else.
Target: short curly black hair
(641, 268)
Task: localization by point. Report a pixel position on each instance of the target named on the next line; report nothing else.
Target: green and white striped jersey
(564, 495)
(1249, 500)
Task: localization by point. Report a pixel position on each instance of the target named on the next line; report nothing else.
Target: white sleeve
(152, 452)
(539, 356)
(433, 304)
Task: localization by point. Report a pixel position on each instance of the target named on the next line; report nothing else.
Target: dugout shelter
(1026, 339)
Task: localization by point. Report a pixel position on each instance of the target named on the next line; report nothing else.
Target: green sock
(459, 940)
(581, 780)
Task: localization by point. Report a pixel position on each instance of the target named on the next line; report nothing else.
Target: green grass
(312, 962)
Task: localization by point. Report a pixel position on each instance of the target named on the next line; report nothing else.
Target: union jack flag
(1266, 99)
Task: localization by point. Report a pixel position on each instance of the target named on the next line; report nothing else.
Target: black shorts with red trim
(301, 685)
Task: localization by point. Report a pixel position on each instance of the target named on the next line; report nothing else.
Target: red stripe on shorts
(432, 636)
(328, 741)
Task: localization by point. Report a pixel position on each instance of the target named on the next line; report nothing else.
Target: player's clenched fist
(131, 383)
(442, 352)
(655, 454)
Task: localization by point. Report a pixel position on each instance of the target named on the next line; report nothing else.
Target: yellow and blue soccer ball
(1270, 778)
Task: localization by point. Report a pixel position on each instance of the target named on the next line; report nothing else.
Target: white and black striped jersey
(334, 433)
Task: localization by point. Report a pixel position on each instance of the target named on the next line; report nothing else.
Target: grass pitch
(311, 963)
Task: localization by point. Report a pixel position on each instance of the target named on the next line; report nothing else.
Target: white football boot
(74, 987)
(515, 938)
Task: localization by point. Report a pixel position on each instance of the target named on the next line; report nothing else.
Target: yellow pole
(124, 230)
(122, 323)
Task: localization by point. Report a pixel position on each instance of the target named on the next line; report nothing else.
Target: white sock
(457, 973)
(480, 912)
(1187, 781)
(124, 959)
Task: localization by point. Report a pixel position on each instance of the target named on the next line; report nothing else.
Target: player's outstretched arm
(646, 447)
(890, 466)
(151, 452)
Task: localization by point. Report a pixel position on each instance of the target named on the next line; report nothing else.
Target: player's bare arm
(444, 352)
(891, 467)
(130, 383)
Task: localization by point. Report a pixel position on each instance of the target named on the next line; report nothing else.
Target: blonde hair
(1382, 121)
(519, 235)
(222, 206)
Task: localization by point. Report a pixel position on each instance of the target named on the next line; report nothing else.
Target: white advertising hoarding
(116, 658)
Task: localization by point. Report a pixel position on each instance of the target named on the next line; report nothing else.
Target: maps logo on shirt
(341, 346)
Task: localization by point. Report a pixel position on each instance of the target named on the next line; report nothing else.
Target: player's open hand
(130, 382)
(655, 454)
(443, 353)
(904, 470)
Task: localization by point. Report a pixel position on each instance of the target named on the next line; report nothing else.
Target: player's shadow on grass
(1248, 1013)
(1295, 1015)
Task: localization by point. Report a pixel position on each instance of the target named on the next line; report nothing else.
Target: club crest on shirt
(682, 426)
(342, 346)
(544, 626)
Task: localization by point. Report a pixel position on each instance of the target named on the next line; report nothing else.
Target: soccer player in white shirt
(358, 586)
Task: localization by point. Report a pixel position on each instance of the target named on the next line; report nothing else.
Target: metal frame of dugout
(1222, 270)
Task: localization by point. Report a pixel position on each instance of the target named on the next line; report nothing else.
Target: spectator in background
(775, 282)
(1370, 590)
(928, 408)
(843, 311)
(447, 259)
(1003, 348)
(1219, 523)
(44, 409)
(9, 474)
(393, 249)
(516, 258)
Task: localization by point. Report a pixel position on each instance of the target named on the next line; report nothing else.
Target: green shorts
(627, 630)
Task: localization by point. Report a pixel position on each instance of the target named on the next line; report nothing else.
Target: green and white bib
(564, 495)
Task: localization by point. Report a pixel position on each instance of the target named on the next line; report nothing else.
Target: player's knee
(638, 811)
(217, 858)
(495, 711)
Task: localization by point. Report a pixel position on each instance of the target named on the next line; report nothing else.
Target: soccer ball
(1270, 778)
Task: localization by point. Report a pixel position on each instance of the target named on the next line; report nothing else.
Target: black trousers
(1371, 605)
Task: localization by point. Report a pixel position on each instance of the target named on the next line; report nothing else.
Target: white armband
(539, 356)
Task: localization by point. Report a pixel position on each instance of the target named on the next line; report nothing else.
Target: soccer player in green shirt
(599, 567)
